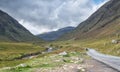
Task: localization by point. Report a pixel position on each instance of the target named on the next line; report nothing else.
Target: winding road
(111, 61)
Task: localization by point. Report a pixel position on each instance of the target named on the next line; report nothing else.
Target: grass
(49, 61)
(10, 51)
(103, 45)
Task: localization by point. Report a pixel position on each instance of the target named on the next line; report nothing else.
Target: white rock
(50, 49)
(57, 60)
(65, 66)
(6, 68)
(114, 41)
(63, 53)
(83, 70)
(22, 65)
(75, 58)
(79, 67)
(71, 67)
(43, 52)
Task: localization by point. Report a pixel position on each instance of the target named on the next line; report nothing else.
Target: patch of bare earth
(65, 68)
(96, 66)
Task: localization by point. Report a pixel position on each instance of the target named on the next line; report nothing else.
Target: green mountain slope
(103, 23)
(11, 30)
(53, 35)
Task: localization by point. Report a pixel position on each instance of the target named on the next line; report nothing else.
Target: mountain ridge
(50, 36)
(104, 22)
(11, 30)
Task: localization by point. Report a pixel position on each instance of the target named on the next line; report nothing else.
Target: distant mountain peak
(53, 35)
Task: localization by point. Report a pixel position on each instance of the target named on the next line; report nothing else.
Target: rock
(114, 41)
(65, 66)
(76, 62)
(75, 58)
(81, 60)
(79, 67)
(50, 49)
(7, 68)
(83, 70)
(43, 52)
(73, 52)
(71, 67)
(63, 53)
(22, 65)
(57, 60)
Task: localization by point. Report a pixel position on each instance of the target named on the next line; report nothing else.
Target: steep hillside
(104, 22)
(49, 36)
(11, 30)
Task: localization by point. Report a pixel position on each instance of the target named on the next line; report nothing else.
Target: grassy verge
(50, 61)
(10, 51)
(103, 45)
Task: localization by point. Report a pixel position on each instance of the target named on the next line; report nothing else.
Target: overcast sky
(40, 16)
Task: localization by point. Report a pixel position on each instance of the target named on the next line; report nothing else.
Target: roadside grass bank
(50, 61)
(9, 52)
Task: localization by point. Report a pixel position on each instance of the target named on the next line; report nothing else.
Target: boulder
(114, 41)
(63, 53)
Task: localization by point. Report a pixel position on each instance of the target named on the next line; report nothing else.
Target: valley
(92, 46)
(70, 56)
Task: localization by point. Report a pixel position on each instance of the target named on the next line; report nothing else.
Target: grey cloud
(45, 15)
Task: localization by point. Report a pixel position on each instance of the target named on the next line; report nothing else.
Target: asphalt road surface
(112, 61)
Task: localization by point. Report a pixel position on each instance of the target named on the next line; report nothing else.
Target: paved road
(96, 66)
(112, 61)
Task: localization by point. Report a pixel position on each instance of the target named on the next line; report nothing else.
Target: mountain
(49, 36)
(11, 30)
(103, 23)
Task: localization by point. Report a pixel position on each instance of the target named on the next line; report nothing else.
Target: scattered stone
(43, 52)
(73, 52)
(83, 70)
(57, 60)
(75, 58)
(76, 62)
(22, 65)
(114, 41)
(50, 49)
(63, 53)
(71, 67)
(6, 68)
(81, 60)
(79, 67)
(65, 66)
